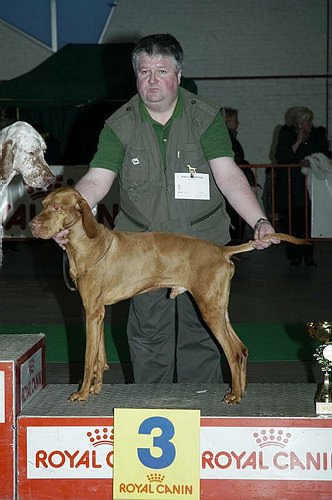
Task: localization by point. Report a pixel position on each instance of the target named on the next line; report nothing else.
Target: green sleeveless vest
(147, 187)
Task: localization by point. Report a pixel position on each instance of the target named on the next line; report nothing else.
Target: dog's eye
(56, 208)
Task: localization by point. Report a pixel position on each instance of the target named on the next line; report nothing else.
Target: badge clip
(192, 171)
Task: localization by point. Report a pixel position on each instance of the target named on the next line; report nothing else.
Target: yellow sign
(156, 454)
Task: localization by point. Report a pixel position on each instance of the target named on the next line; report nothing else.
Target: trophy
(322, 332)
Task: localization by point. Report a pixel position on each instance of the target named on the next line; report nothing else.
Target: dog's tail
(247, 247)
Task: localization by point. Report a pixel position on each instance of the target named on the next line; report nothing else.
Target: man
(173, 156)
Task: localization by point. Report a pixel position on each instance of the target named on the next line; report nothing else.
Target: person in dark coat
(296, 141)
(232, 123)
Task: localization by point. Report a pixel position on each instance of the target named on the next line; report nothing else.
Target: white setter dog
(22, 152)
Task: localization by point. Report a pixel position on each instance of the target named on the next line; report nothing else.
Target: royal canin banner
(69, 452)
(278, 453)
(248, 452)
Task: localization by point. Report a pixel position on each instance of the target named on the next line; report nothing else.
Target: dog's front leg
(100, 365)
(95, 357)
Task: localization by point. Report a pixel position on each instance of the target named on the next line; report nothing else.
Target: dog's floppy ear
(6, 160)
(90, 225)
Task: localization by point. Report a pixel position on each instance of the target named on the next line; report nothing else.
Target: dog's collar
(80, 275)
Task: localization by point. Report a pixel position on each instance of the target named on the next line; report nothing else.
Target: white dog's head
(22, 152)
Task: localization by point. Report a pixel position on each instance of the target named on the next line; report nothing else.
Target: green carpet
(266, 342)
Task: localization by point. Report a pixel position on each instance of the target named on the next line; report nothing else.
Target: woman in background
(297, 140)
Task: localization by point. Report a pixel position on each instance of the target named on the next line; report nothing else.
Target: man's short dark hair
(159, 45)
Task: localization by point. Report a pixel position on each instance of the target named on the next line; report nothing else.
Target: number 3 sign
(156, 454)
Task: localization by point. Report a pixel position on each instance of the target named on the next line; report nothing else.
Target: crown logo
(155, 478)
(101, 436)
(272, 437)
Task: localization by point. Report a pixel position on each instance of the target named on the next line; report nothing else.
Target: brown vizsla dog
(109, 266)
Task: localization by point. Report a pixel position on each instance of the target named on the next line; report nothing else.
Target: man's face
(157, 81)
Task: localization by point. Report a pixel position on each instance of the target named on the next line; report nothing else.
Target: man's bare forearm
(95, 185)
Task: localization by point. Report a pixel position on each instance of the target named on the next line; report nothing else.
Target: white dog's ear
(43, 144)
(6, 161)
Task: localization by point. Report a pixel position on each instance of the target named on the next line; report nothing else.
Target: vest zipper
(206, 216)
(136, 222)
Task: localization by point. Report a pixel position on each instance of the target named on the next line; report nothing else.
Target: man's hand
(262, 228)
(61, 238)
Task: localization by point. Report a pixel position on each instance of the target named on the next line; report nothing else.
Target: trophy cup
(322, 332)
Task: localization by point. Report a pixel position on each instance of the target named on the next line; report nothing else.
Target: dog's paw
(232, 399)
(78, 397)
(96, 388)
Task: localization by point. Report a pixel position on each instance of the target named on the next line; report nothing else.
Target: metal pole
(103, 33)
(54, 26)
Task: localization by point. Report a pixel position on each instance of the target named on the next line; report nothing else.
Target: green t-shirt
(215, 141)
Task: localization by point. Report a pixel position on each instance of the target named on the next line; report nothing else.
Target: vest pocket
(205, 216)
(134, 169)
(212, 226)
(193, 155)
(125, 222)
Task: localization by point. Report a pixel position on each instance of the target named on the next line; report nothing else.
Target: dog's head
(62, 209)
(22, 152)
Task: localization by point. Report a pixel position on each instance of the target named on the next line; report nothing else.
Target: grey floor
(265, 289)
